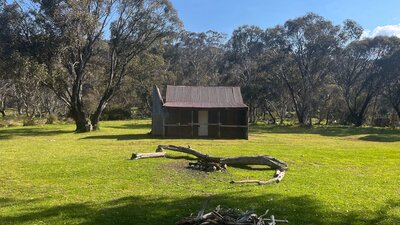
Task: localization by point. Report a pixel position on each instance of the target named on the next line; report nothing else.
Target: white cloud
(387, 30)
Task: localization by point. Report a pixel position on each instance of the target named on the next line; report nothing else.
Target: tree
(242, 68)
(391, 73)
(76, 28)
(359, 75)
(195, 58)
(302, 55)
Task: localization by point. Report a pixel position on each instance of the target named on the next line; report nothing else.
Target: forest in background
(95, 60)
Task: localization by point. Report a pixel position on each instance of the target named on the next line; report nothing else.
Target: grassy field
(50, 175)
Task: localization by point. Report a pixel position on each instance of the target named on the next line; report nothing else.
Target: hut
(193, 112)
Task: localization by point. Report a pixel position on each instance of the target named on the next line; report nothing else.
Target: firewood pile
(222, 216)
(210, 163)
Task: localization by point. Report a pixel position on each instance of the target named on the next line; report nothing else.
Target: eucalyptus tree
(302, 53)
(195, 57)
(243, 58)
(78, 30)
(5, 89)
(360, 76)
(19, 86)
(391, 72)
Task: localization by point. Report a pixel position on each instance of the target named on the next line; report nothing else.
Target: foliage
(29, 122)
(117, 114)
(52, 119)
(77, 58)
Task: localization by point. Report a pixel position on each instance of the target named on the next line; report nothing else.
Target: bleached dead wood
(277, 178)
(229, 217)
(147, 155)
(210, 163)
(189, 150)
(255, 160)
(241, 160)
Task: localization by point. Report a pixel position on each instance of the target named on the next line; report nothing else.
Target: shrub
(29, 122)
(381, 122)
(116, 114)
(51, 119)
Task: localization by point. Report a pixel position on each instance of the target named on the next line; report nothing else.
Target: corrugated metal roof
(204, 97)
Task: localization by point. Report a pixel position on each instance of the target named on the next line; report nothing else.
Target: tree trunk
(77, 108)
(301, 117)
(327, 118)
(398, 113)
(356, 118)
(81, 122)
(3, 108)
(270, 115)
(95, 118)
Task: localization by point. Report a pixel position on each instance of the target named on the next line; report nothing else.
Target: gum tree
(82, 32)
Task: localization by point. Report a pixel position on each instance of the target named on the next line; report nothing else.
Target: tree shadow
(337, 131)
(8, 133)
(127, 137)
(124, 137)
(130, 126)
(4, 202)
(78, 210)
(254, 168)
(381, 138)
(149, 210)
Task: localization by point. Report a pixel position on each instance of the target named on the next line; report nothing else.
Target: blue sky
(376, 16)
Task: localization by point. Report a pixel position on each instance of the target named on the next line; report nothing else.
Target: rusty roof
(204, 97)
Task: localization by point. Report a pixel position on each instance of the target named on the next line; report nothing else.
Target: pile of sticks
(211, 163)
(221, 216)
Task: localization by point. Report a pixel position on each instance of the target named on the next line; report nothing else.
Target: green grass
(50, 175)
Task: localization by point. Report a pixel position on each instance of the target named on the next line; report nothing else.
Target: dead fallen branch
(277, 178)
(255, 160)
(147, 155)
(229, 217)
(190, 151)
(211, 163)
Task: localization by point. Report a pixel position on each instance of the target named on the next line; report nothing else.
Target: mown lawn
(50, 175)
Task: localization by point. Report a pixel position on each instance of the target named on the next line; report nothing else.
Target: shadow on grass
(147, 210)
(4, 202)
(8, 133)
(381, 138)
(255, 168)
(126, 137)
(131, 126)
(123, 137)
(339, 131)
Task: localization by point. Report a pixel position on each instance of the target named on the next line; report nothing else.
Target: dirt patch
(175, 165)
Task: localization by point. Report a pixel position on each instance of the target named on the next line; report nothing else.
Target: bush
(381, 122)
(51, 119)
(116, 114)
(29, 122)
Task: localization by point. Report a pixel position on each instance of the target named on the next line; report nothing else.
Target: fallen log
(190, 151)
(277, 178)
(255, 160)
(210, 163)
(147, 155)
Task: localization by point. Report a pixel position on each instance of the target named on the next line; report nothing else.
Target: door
(203, 123)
